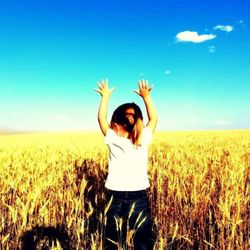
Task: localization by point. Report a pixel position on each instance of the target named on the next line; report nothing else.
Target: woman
(128, 213)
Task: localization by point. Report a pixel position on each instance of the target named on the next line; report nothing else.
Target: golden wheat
(51, 185)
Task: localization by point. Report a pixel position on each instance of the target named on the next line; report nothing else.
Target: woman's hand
(144, 92)
(144, 89)
(103, 88)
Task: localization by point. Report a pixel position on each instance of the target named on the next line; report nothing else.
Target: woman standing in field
(128, 215)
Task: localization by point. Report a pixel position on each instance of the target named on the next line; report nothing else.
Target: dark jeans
(128, 221)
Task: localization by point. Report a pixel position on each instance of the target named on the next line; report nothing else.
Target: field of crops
(51, 190)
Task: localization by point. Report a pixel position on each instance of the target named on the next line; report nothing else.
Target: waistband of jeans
(127, 194)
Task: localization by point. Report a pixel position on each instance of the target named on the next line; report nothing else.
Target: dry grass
(51, 188)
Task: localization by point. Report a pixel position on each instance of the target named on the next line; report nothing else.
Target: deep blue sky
(52, 54)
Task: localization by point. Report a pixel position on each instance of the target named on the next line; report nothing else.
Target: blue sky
(196, 53)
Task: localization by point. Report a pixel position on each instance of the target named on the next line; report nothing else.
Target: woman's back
(127, 162)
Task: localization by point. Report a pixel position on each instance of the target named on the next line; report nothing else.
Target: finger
(150, 88)
(107, 82)
(97, 90)
(137, 92)
(103, 83)
(146, 84)
(99, 85)
(143, 84)
(111, 90)
(139, 85)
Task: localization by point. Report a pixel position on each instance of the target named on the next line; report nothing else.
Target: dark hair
(132, 122)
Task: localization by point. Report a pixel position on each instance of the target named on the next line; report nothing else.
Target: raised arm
(103, 107)
(144, 92)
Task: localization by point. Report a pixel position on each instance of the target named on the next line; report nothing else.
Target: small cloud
(141, 74)
(241, 24)
(167, 72)
(226, 28)
(211, 49)
(221, 123)
(193, 36)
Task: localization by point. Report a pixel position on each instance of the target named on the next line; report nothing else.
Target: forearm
(103, 108)
(150, 107)
(102, 114)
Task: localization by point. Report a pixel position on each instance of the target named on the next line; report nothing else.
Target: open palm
(103, 88)
(144, 89)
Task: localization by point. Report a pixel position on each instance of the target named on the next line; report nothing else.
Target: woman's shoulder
(147, 130)
(110, 132)
(110, 135)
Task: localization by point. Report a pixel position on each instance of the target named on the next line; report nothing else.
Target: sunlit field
(51, 190)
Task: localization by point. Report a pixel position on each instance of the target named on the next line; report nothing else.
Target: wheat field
(51, 190)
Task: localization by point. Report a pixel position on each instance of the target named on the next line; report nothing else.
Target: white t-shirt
(127, 163)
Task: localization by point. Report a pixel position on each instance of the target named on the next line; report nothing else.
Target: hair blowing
(132, 122)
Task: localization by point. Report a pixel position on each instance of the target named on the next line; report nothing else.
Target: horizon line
(12, 132)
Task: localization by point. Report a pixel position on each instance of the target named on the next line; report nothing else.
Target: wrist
(146, 97)
(106, 96)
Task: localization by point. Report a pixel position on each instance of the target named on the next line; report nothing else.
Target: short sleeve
(147, 135)
(110, 136)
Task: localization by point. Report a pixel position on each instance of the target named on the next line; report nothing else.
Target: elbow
(98, 118)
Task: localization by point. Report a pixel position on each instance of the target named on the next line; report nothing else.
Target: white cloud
(167, 72)
(193, 36)
(221, 123)
(226, 28)
(211, 49)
